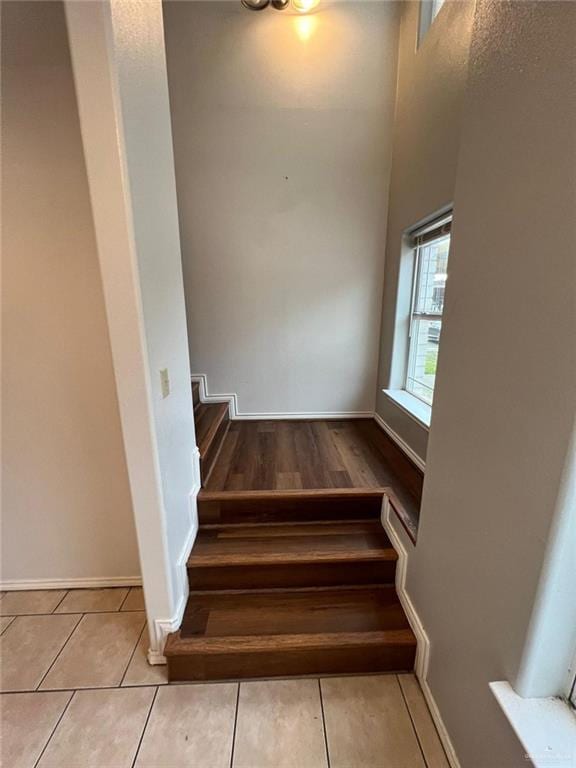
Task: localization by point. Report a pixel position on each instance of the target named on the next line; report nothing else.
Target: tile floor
(77, 692)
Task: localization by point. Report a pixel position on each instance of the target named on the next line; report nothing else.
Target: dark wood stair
(290, 583)
(295, 555)
(327, 504)
(232, 635)
(211, 421)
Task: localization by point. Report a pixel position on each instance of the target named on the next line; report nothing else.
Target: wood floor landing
(309, 455)
(285, 455)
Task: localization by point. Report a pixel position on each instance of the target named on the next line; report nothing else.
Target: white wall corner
(402, 444)
(403, 546)
(163, 627)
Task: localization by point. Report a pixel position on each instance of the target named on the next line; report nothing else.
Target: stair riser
(207, 462)
(289, 575)
(327, 661)
(291, 510)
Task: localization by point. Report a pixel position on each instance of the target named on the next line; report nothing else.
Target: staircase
(212, 422)
(289, 583)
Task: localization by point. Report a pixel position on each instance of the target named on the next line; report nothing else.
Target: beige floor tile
(28, 720)
(423, 723)
(190, 725)
(134, 601)
(368, 725)
(28, 648)
(30, 601)
(279, 724)
(139, 672)
(98, 652)
(100, 729)
(5, 622)
(92, 600)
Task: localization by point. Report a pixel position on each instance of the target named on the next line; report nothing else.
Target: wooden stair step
(237, 635)
(195, 394)
(291, 555)
(212, 422)
(230, 507)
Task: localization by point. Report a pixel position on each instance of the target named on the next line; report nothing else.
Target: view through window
(431, 247)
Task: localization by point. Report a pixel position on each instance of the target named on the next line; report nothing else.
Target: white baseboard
(402, 444)
(237, 415)
(305, 415)
(403, 545)
(206, 397)
(164, 627)
(96, 582)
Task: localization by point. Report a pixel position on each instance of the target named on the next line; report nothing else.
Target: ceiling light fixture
(302, 6)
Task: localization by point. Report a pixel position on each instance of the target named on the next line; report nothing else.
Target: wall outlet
(164, 382)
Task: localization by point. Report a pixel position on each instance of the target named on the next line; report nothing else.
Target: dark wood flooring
(284, 455)
(292, 455)
(292, 572)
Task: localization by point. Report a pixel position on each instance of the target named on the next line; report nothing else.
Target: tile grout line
(324, 723)
(405, 700)
(145, 726)
(235, 724)
(54, 729)
(74, 628)
(9, 623)
(64, 596)
(125, 598)
(132, 656)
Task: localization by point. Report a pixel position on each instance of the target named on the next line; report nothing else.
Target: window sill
(546, 728)
(415, 408)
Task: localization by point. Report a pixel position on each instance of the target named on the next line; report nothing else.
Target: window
(429, 9)
(431, 246)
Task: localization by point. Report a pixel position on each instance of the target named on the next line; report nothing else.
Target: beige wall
(506, 388)
(282, 133)
(66, 503)
(427, 125)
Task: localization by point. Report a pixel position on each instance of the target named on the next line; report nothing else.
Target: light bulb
(305, 6)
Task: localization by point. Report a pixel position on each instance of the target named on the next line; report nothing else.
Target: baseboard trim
(96, 582)
(423, 642)
(164, 627)
(237, 415)
(402, 444)
(304, 416)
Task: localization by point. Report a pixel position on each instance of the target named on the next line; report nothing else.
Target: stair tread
(177, 644)
(330, 611)
(294, 494)
(291, 543)
(207, 418)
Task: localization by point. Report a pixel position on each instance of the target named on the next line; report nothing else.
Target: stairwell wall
(505, 398)
(282, 135)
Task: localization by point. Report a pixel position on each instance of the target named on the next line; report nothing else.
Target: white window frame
(435, 230)
(429, 9)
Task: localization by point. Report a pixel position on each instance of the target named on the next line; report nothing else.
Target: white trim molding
(417, 409)
(412, 455)
(237, 415)
(95, 582)
(546, 727)
(163, 627)
(304, 415)
(401, 543)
